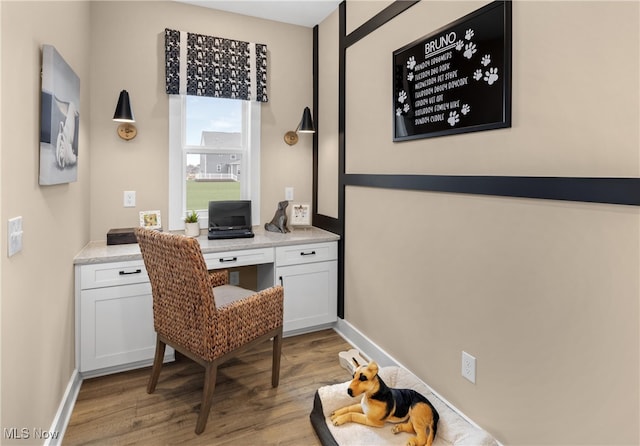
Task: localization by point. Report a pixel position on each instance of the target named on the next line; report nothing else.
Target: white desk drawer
(112, 274)
(228, 259)
(300, 254)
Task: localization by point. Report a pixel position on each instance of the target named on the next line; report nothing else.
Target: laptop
(230, 219)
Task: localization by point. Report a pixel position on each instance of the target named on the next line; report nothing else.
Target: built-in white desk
(114, 317)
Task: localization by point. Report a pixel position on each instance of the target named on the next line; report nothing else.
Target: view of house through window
(215, 133)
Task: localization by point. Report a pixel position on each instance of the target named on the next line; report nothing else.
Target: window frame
(178, 150)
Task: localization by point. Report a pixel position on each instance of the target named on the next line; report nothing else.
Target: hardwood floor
(117, 410)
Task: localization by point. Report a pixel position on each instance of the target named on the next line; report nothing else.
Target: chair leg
(157, 365)
(275, 367)
(211, 370)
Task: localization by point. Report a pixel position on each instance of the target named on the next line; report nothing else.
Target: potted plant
(191, 225)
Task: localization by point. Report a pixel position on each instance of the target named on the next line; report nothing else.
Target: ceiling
(298, 12)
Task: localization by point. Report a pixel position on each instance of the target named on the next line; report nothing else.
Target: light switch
(14, 236)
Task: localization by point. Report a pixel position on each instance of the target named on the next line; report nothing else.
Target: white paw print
(402, 96)
(477, 75)
(486, 60)
(406, 108)
(466, 108)
(469, 50)
(410, 76)
(459, 45)
(491, 76)
(411, 63)
(469, 34)
(454, 118)
(398, 111)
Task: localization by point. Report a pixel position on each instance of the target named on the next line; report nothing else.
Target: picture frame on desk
(301, 214)
(150, 219)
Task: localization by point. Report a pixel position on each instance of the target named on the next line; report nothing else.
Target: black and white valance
(200, 65)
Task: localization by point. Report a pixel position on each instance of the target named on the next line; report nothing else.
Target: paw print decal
(459, 45)
(466, 108)
(411, 63)
(402, 96)
(491, 76)
(410, 76)
(486, 60)
(477, 75)
(469, 50)
(468, 34)
(454, 118)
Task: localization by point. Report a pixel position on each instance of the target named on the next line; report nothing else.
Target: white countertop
(99, 252)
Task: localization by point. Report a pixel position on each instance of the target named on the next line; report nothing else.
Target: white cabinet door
(117, 327)
(310, 294)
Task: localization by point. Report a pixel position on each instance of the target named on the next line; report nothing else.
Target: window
(214, 154)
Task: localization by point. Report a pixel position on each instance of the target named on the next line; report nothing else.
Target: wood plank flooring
(117, 410)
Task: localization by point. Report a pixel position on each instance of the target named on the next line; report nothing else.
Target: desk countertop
(100, 252)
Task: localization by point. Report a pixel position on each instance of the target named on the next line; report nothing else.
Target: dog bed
(452, 428)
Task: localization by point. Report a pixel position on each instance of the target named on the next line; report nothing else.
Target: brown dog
(380, 403)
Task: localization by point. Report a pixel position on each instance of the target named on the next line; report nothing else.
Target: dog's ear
(355, 361)
(373, 367)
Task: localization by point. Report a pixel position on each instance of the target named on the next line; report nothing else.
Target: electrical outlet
(469, 367)
(129, 198)
(288, 193)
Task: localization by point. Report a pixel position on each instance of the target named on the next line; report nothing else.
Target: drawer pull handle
(126, 273)
(281, 281)
(233, 259)
(312, 253)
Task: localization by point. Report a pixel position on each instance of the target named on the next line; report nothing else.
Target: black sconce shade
(306, 124)
(123, 111)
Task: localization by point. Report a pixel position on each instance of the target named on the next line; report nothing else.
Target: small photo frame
(150, 219)
(301, 214)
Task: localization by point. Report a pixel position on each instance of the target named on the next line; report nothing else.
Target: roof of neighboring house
(221, 139)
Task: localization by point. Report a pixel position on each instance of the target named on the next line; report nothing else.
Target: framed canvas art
(59, 120)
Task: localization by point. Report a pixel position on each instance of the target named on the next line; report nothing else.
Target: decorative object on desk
(150, 219)
(305, 126)
(59, 120)
(124, 114)
(279, 221)
(301, 214)
(191, 225)
(121, 236)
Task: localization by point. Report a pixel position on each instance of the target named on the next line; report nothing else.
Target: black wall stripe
(625, 191)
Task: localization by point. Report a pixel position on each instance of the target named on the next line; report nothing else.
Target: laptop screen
(229, 214)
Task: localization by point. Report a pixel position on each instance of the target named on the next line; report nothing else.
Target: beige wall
(37, 283)
(327, 131)
(111, 46)
(545, 294)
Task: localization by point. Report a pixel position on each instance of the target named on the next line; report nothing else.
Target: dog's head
(364, 379)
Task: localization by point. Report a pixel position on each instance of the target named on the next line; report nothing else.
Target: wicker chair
(197, 313)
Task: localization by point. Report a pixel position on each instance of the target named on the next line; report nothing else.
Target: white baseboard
(370, 349)
(61, 420)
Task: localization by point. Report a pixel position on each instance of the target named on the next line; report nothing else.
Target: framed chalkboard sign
(456, 79)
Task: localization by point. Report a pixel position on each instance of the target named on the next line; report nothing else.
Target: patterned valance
(200, 65)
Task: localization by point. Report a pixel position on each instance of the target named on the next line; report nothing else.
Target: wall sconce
(305, 126)
(123, 114)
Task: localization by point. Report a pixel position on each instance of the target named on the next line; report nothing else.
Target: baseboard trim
(61, 420)
(370, 349)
